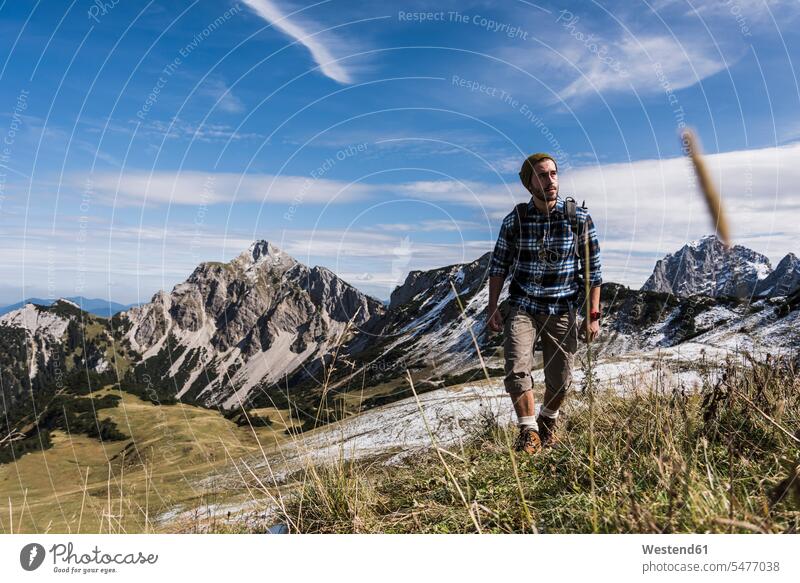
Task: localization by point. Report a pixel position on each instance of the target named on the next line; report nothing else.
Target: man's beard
(546, 195)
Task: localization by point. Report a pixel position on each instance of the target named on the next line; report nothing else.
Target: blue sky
(138, 139)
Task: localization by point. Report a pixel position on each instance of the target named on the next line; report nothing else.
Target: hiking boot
(547, 430)
(528, 441)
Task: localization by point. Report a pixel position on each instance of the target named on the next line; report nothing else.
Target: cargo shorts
(559, 344)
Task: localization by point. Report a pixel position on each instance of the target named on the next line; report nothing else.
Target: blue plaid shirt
(545, 279)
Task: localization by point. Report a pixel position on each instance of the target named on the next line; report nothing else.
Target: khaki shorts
(559, 343)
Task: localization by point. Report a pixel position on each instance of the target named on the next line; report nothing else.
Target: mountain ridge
(264, 329)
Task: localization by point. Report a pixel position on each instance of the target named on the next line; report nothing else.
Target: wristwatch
(594, 316)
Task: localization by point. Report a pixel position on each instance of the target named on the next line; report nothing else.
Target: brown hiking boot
(547, 430)
(528, 441)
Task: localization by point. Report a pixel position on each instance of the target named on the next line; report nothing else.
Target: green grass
(723, 460)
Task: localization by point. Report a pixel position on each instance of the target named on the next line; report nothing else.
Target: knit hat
(527, 166)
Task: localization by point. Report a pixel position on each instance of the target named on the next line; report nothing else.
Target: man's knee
(558, 381)
(557, 392)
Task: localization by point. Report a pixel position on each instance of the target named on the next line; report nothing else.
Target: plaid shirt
(551, 285)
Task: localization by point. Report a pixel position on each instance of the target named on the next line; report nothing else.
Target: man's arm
(594, 299)
(495, 285)
(595, 277)
(499, 265)
(595, 274)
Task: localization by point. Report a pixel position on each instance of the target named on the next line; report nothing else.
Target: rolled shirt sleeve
(503, 253)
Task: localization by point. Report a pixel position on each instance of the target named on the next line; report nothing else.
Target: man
(544, 292)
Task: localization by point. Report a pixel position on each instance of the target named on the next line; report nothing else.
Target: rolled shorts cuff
(518, 385)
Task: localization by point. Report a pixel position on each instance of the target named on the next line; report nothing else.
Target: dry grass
(722, 460)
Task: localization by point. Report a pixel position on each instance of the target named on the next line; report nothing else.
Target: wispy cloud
(438, 225)
(581, 56)
(647, 65)
(655, 203)
(320, 52)
(180, 129)
(491, 197)
(747, 11)
(226, 101)
(133, 188)
(176, 128)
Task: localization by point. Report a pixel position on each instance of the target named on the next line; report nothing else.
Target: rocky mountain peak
(707, 267)
(262, 251)
(255, 320)
(784, 280)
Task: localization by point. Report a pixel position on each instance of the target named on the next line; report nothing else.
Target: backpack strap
(520, 212)
(571, 210)
(579, 232)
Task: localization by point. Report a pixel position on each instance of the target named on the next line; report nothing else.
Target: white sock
(549, 413)
(529, 422)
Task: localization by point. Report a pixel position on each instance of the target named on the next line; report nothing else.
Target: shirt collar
(558, 208)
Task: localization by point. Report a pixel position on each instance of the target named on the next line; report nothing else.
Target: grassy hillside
(726, 459)
(84, 484)
(662, 460)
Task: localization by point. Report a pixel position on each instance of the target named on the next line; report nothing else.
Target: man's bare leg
(553, 399)
(524, 405)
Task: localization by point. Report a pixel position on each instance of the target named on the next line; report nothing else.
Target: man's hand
(588, 331)
(495, 320)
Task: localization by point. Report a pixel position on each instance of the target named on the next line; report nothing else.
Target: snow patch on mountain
(267, 366)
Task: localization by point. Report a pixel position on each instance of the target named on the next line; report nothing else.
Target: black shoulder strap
(571, 210)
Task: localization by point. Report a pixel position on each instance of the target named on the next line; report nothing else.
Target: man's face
(544, 181)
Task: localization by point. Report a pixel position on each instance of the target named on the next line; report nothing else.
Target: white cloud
(490, 197)
(183, 130)
(656, 202)
(320, 52)
(743, 11)
(432, 225)
(643, 210)
(647, 64)
(195, 188)
(648, 208)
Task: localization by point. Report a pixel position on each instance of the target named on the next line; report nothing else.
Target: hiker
(545, 239)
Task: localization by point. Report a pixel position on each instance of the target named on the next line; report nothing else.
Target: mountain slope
(51, 359)
(44, 347)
